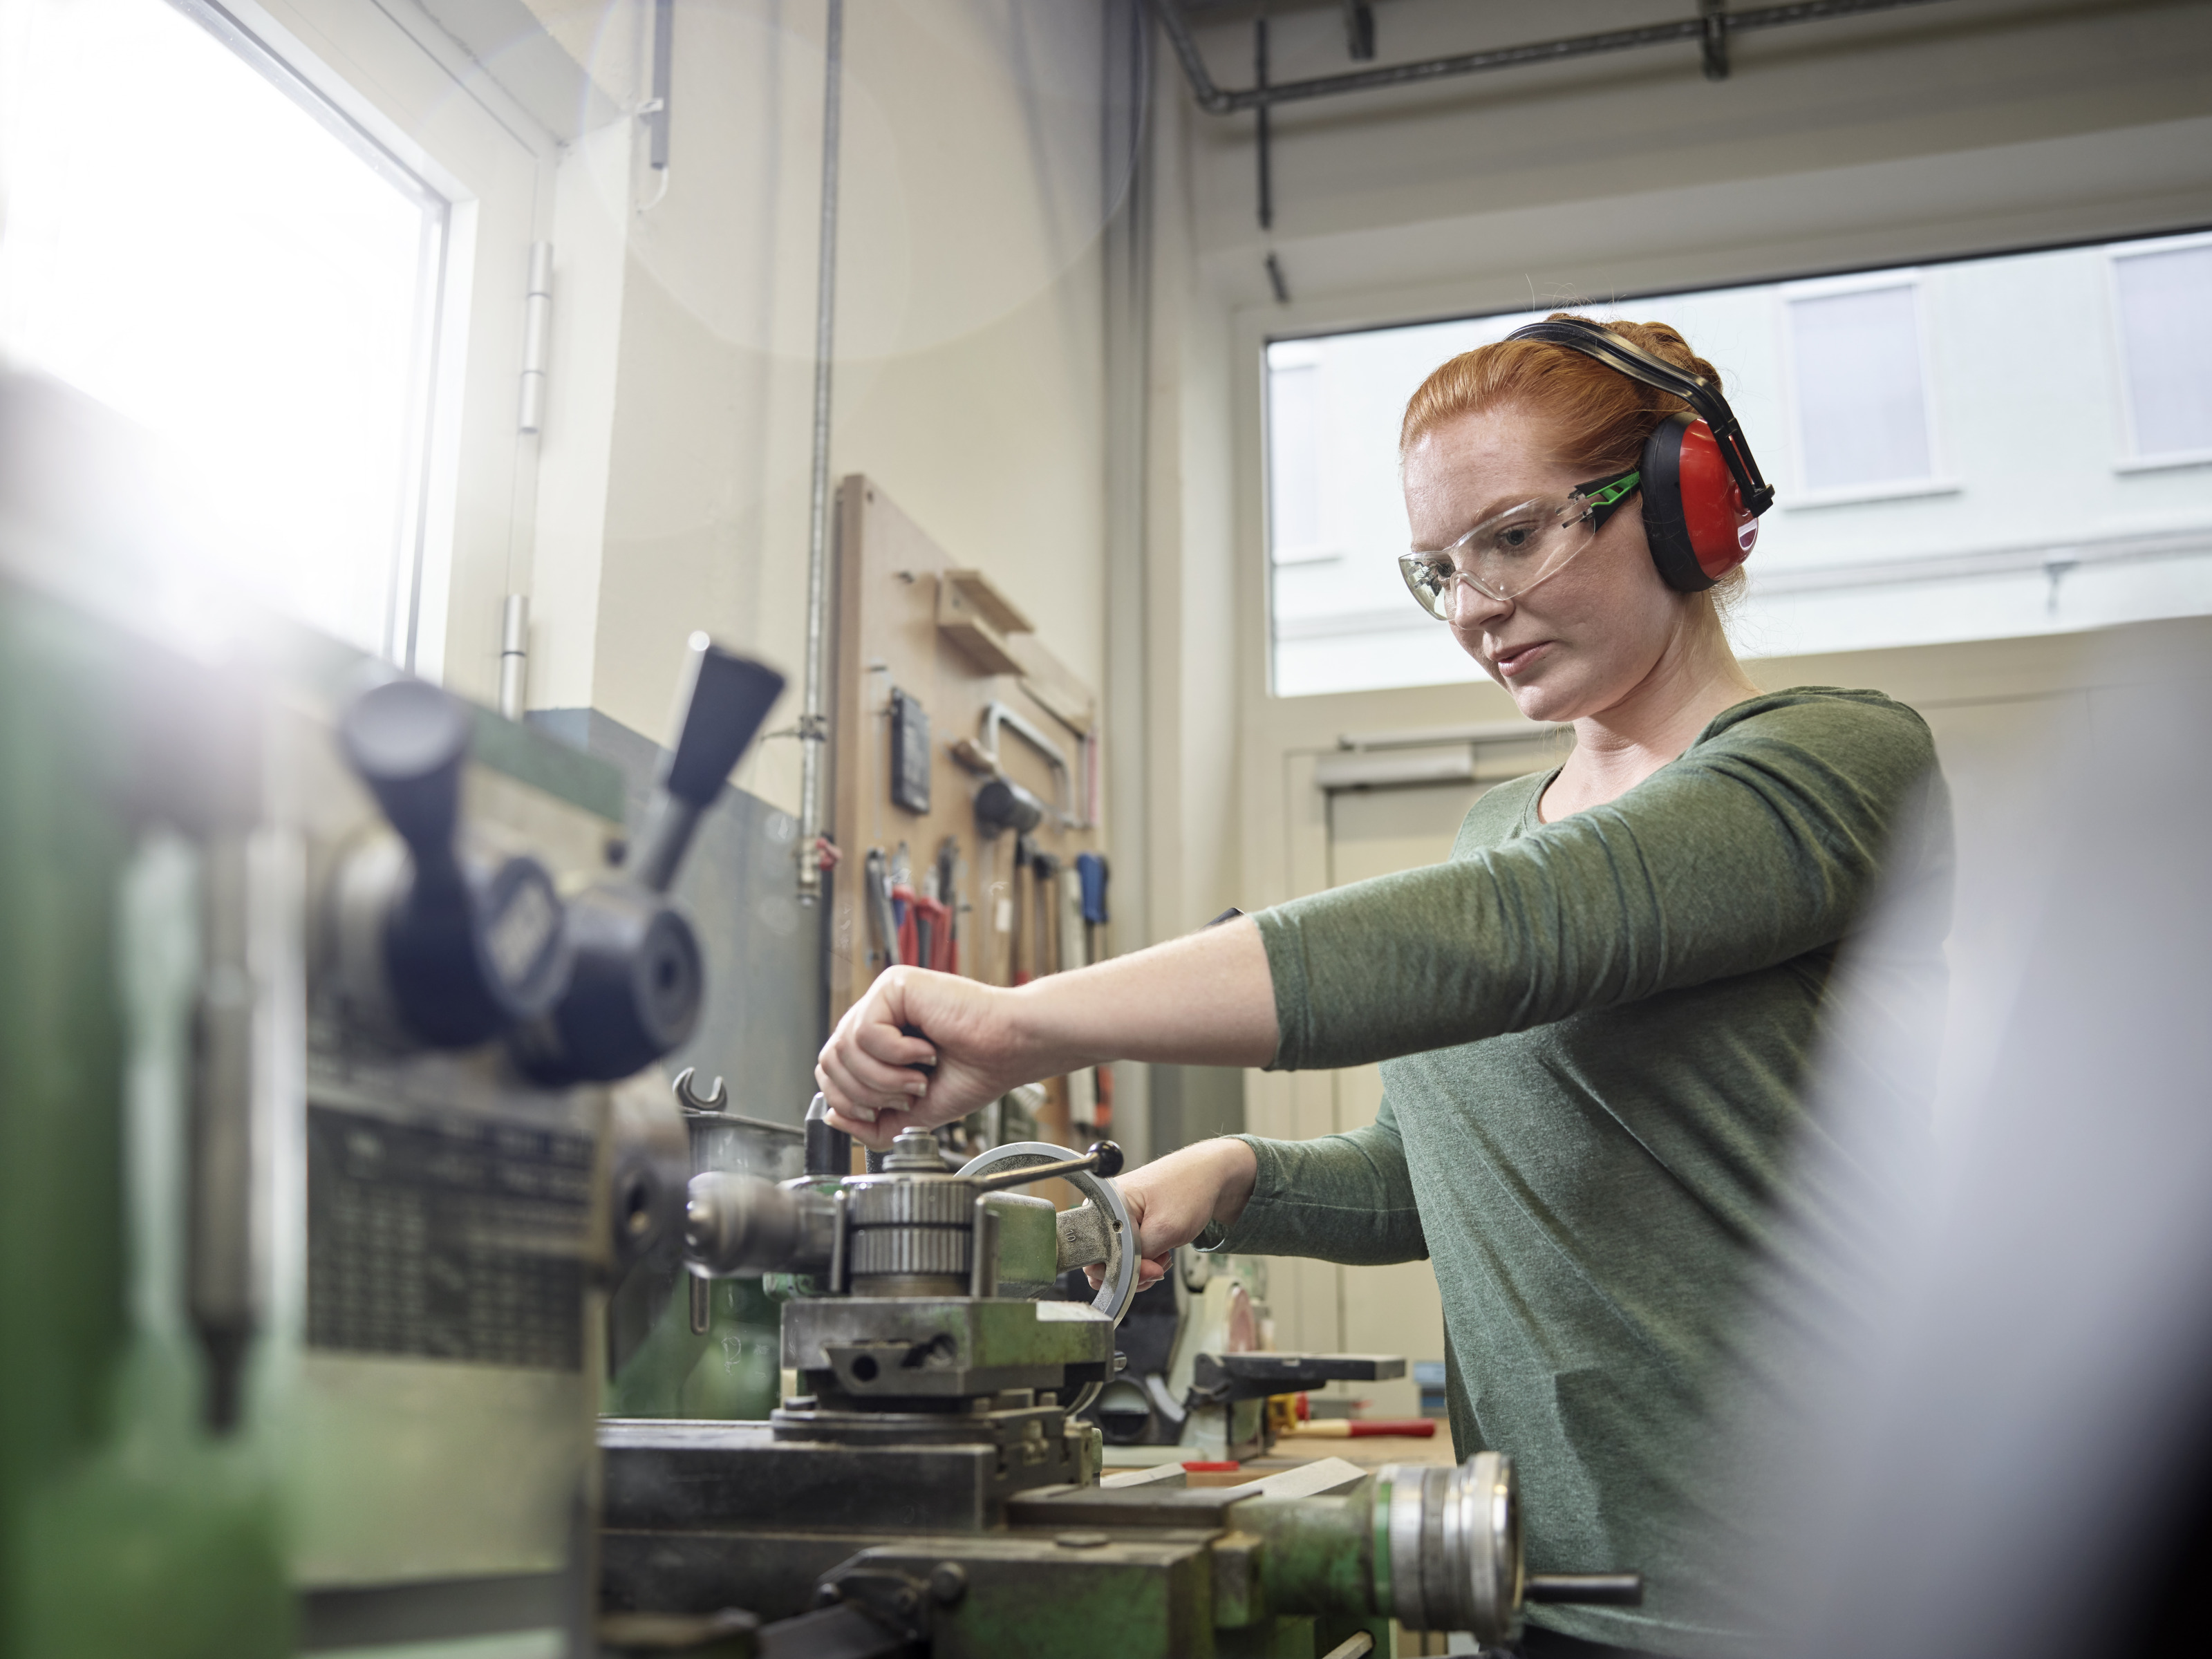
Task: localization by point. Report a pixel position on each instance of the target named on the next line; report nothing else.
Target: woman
(1597, 1018)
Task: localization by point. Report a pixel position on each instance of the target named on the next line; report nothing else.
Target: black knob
(828, 1151)
(1108, 1156)
(1603, 1589)
(633, 995)
(472, 942)
(639, 978)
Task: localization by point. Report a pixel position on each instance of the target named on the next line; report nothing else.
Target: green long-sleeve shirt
(1596, 1034)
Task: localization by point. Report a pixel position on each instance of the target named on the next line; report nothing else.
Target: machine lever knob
(726, 699)
(468, 942)
(407, 740)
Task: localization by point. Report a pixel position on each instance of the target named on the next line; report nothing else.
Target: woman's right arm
(1208, 1000)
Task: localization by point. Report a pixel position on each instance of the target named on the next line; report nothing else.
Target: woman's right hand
(1171, 1200)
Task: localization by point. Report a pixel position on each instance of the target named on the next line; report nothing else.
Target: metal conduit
(1220, 100)
(813, 721)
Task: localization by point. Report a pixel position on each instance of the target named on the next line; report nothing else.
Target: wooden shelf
(976, 618)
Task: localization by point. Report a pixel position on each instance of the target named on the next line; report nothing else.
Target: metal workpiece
(863, 1349)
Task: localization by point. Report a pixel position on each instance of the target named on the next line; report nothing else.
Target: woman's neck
(1619, 747)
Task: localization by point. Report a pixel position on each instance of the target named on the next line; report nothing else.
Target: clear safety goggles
(1509, 553)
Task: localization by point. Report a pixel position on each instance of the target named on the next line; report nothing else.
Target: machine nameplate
(460, 1241)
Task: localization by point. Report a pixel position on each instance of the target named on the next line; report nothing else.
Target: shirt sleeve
(1762, 842)
(1342, 1198)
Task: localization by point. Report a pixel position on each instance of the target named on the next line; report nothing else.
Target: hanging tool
(901, 897)
(877, 880)
(1046, 869)
(925, 926)
(1020, 945)
(950, 869)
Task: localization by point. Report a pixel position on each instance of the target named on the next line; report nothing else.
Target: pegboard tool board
(923, 639)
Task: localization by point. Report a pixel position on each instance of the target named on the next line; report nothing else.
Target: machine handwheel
(1120, 1281)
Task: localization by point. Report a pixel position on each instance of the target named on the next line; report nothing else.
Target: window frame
(1941, 479)
(418, 93)
(2131, 459)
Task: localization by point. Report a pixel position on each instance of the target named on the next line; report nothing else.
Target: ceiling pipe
(1709, 28)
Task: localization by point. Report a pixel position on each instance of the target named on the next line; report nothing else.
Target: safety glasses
(1508, 554)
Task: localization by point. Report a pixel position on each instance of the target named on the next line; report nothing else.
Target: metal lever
(1104, 1156)
(725, 699)
(1598, 1589)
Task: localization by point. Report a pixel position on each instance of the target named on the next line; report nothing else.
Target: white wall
(968, 377)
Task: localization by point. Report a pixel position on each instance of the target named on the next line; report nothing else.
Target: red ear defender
(1694, 512)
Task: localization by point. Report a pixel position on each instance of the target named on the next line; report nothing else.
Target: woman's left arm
(1762, 843)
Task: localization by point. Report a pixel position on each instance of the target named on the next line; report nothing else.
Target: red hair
(1598, 417)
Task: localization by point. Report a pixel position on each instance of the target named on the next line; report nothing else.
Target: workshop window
(2162, 301)
(1861, 389)
(195, 238)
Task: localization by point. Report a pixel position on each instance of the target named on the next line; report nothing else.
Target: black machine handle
(1104, 1156)
(407, 740)
(828, 1151)
(1592, 1590)
(640, 976)
(726, 699)
(472, 942)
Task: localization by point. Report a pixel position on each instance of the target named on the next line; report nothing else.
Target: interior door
(1390, 1310)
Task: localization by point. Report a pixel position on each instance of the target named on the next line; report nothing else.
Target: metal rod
(1259, 115)
(813, 723)
(702, 1305)
(1221, 101)
(841, 1215)
(1711, 13)
(1104, 1156)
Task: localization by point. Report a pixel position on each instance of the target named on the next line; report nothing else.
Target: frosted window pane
(1861, 412)
(1294, 456)
(187, 243)
(2166, 334)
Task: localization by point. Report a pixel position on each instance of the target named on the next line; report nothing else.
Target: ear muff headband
(1619, 355)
